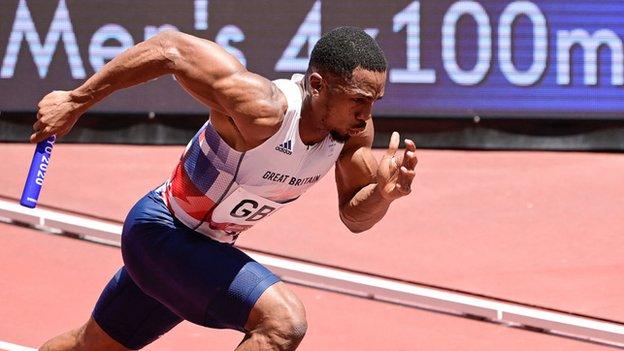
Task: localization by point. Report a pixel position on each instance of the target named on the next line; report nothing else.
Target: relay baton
(36, 174)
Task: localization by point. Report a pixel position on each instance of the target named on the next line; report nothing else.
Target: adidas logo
(285, 147)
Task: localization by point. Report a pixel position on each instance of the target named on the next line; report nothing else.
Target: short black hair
(344, 49)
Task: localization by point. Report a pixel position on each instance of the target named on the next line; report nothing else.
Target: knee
(283, 335)
(291, 329)
(285, 330)
(277, 321)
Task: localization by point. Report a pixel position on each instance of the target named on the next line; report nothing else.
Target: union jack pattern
(204, 175)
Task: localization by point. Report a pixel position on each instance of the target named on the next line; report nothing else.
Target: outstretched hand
(395, 175)
(57, 114)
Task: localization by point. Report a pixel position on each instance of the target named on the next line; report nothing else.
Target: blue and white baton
(36, 174)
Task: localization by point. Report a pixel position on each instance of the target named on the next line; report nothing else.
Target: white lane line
(7, 346)
(381, 289)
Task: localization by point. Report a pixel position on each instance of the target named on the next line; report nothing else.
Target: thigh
(129, 316)
(204, 281)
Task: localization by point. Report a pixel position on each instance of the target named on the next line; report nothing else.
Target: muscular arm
(204, 69)
(365, 187)
(145, 61)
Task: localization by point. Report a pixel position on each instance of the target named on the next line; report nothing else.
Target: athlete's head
(346, 75)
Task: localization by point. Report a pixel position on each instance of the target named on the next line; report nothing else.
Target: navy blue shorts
(172, 273)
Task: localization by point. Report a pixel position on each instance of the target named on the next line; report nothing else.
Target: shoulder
(253, 99)
(216, 75)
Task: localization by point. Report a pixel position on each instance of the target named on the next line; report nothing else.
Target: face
(348, 104)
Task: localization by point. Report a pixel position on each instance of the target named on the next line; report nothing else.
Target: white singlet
(220, 192)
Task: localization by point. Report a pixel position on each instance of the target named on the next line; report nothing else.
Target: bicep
(218, 79)
(356, 167)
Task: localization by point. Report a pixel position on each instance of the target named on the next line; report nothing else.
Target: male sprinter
(265, 144)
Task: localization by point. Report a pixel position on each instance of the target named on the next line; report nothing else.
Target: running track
(538, 228)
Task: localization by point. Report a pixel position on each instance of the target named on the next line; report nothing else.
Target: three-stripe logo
(285, 147)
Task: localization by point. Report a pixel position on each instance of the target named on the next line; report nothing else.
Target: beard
(343, 137)
(334, 134)
(339, 137)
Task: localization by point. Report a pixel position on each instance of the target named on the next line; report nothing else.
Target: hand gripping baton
(36, 174)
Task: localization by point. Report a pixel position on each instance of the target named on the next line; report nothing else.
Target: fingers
(398, 159)
(394, 144)
(407, 173)
(410, 145)
(38, 128)
(409, 157)
(41, 130)
(38, 124)
(404, 183)
(40, 135)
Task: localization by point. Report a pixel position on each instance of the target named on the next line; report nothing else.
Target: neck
(311, 128)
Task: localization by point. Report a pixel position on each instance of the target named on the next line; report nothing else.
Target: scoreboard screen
(505, 59)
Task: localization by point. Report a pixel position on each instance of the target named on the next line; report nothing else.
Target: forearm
(141, 63)
(365, 208)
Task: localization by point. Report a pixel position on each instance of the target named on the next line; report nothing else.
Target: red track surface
(50, 283)
(538, 228)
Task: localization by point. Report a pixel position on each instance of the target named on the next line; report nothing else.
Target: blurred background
(516, 108)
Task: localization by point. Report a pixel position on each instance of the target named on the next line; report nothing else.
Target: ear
(316, 83)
